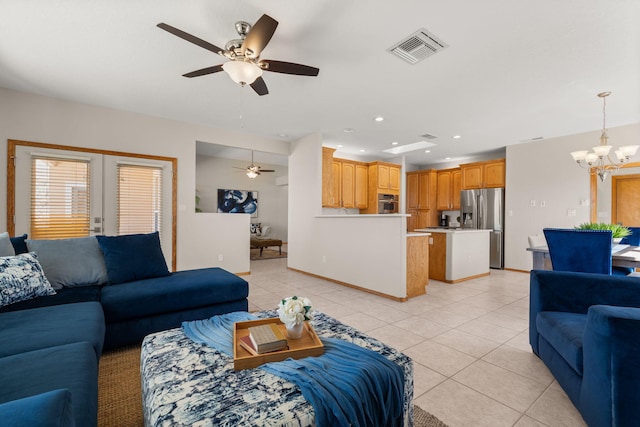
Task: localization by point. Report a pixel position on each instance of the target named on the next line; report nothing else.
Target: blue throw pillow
(133, 257)
(19, 244)
(22, 278)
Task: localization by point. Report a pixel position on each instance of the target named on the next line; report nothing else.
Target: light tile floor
(473, 365)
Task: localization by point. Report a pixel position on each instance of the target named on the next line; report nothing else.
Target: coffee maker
(443, 220)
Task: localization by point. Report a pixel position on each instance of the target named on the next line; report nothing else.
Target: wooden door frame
(11, 181)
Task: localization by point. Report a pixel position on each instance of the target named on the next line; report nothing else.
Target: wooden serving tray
(307, 345)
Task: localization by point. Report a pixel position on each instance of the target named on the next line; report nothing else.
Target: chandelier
(599, 161)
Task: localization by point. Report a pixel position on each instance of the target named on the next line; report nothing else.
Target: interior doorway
(625, 200)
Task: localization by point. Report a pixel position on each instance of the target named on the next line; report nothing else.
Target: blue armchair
(586, 329)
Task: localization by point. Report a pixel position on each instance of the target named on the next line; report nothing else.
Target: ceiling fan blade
(267, 170)
(190, 38)
(204, 71)
(259, 36)
(260, 86)
(289, 68)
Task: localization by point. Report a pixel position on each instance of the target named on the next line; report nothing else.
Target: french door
(64, 193)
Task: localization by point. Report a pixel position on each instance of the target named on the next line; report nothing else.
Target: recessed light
(349, 130)
(427, 151)
(456, 137)
(379, 119)
(283, 135)
(362, 151)
(447, 158)
(394, 143)
(340, 145)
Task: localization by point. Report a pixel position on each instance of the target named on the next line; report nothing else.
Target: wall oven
(387, 203)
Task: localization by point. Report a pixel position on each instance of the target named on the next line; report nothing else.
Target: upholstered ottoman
(185, 383)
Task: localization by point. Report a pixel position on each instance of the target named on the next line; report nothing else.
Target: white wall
(366, 251)
(544, 171)
(36, 118)
(213, 173)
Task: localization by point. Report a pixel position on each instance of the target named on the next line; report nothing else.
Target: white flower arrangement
(294, 310)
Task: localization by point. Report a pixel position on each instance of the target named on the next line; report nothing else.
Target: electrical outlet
(543, 204)
(220, 257)
(571, 212)
(324, 258)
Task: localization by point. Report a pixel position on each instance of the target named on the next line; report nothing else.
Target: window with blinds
(139, 198)
(59, 197)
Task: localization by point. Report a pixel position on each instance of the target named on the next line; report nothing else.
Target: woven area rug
(119, 389)
(120, 398)
(266, 254)
(422, 418)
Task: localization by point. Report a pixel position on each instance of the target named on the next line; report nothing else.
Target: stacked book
(264, 339)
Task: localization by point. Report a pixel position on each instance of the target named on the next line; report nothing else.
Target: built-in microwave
(387, 203)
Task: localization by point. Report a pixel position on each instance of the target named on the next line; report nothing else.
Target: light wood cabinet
(438, 257)
(348, 184)
(490, 174)
(384, 178)
(449, 186)
(421, 199)
(328, 198)
(417, 265)
(361, 184)
(344, 182)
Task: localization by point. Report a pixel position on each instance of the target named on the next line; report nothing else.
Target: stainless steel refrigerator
(484, 209)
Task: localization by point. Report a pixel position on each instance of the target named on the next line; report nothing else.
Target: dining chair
(587, 251)
(633, 239)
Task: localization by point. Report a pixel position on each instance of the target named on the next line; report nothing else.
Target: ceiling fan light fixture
(241, 72)
(252, 174)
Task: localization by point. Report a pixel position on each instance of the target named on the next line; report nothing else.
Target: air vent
(418, 46)
(428, 136)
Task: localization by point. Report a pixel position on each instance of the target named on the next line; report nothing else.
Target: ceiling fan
(253, 170)
(245, 66)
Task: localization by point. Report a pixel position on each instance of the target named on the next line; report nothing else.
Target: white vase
(294, 332)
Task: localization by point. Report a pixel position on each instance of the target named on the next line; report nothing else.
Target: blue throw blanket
(347, 386)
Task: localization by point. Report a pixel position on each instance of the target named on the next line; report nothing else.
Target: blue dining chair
(633, 239)
(586, 251)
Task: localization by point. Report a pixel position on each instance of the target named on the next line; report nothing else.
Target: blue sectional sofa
(107, 294)
(586, 329)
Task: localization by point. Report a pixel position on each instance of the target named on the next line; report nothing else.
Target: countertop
(421, 234)
(362, 215)
(450, 230)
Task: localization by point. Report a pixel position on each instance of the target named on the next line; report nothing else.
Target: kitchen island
(456, 254)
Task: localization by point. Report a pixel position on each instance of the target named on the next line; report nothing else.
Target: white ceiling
(513, 71)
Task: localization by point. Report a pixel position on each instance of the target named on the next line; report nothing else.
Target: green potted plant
(617, 231)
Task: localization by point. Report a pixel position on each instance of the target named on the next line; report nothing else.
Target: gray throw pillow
(6, 248)
(70, 262)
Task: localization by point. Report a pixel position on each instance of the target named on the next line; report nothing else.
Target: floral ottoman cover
(190, 384)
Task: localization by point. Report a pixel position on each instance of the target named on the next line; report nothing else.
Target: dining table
(621, 256)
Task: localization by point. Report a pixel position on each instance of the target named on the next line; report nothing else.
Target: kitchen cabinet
(448, 190)
(489, 174)
(384, 178)
(417, 264)
(421, 199)
(361, 184)
(344, 182)
(328, 183)
(458, 255)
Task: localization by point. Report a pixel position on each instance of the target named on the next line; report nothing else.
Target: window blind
(60, 199)
(139, 198)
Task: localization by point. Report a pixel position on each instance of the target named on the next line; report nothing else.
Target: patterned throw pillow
(22, 278)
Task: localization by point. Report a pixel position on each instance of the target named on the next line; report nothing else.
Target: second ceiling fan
(244, 65)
